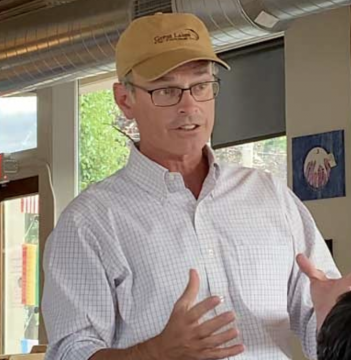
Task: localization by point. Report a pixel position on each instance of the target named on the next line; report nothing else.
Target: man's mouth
(188, 127)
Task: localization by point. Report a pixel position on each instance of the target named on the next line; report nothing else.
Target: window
(268, 155)
(102, 148)
(18, 124)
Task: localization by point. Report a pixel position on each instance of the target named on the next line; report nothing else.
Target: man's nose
(187, 104)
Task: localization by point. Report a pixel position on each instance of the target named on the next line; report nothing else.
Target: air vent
(10, 9)
(149, 7)
(76, 38)
(58, 2)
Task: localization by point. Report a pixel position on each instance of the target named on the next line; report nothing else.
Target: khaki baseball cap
(154, 45)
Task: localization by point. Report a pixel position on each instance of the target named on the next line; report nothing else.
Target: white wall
(57, 147)
(319, 100)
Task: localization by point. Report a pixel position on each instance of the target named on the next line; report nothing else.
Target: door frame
(31, 166)
(9, 191)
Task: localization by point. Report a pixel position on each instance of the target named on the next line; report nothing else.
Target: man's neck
(193, 169)
(194, 179)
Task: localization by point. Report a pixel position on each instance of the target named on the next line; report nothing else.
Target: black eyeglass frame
(151, 92)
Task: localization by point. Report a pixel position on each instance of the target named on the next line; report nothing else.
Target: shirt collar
(156, 179)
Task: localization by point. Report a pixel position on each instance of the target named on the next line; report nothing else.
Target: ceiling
(45, 42)
(10, 9)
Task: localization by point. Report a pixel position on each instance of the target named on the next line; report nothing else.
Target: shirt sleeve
(78, 302)
(307, 240)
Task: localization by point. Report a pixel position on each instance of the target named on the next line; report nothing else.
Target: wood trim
(19, 188)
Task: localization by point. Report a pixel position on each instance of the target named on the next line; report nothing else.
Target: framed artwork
(319, 166)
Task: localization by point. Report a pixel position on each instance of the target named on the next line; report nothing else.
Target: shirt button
(211, 252)
(171, 176)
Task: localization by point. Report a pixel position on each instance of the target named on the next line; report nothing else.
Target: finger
(307, 267)
(219, 339)
(190, 293)
(211, 326)
(203, 307)
(223, 353)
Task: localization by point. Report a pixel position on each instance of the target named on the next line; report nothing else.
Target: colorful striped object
(30, 275)
(30, 205)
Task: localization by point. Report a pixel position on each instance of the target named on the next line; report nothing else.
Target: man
(174, 218)
(334, 338)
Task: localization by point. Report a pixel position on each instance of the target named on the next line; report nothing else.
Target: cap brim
(160, 65)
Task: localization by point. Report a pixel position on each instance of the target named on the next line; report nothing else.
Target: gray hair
(126, 82)
(127, 79)
(215, 68)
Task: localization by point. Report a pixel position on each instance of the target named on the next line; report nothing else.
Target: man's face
(178, 130)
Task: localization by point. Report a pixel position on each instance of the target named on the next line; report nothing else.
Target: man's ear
(123, 100)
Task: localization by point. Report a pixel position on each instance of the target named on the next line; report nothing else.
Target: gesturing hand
(324, 292)
(184, 338)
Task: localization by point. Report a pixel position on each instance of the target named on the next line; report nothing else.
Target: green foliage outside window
(102, 149)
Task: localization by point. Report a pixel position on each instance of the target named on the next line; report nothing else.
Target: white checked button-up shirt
(120, 256)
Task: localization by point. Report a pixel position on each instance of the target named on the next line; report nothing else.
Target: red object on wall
(30, 205)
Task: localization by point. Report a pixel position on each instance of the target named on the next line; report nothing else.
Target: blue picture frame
(319, 166)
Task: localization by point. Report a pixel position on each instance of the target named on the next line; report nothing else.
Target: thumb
(308, 268)
(192, 289)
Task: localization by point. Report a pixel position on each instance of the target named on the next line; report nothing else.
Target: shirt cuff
(75, 350)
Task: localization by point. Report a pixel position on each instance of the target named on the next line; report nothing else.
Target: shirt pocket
(264, 277)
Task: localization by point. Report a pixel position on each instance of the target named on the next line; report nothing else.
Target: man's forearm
(143, 351)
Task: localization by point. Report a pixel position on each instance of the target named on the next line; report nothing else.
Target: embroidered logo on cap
(185, 35)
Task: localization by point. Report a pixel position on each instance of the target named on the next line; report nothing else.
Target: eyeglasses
(170, 96)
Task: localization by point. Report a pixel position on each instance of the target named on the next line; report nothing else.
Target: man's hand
(184, 338)
(324, 292)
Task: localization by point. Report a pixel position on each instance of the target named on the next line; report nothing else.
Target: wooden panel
(19, 188)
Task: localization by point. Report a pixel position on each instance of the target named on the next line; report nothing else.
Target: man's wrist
(150, 349)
